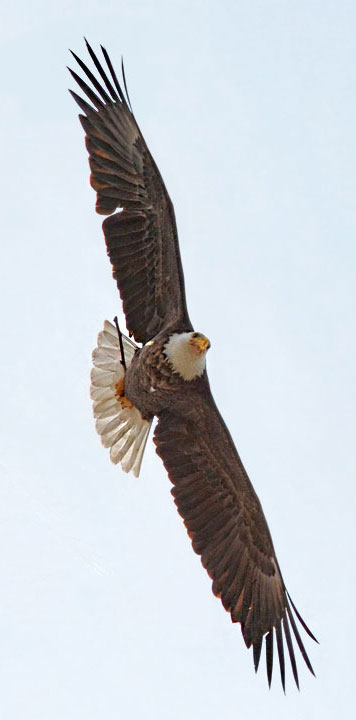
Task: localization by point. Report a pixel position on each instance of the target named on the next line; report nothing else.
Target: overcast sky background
(249, 110)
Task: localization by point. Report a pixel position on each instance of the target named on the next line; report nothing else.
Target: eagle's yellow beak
(199, 343)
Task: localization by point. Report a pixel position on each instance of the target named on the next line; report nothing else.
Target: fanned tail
(120, 425)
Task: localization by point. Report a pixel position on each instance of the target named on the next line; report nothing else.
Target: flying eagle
(165, 376)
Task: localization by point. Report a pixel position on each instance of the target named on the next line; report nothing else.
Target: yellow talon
(119, 394)
(125, 402)
(119, 389)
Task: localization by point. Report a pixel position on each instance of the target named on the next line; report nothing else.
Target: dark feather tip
(257, 647)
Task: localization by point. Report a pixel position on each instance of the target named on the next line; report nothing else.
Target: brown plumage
(142, 241)
(211, 489)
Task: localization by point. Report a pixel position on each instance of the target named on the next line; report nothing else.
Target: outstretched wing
(141, 239)
(226, 524)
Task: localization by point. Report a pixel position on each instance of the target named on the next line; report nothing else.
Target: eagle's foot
(125, 402)
(119, 394)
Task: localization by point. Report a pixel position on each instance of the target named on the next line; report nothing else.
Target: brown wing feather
(142, 239)
(226, 524)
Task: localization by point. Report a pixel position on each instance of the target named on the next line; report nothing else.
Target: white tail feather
(122, 429)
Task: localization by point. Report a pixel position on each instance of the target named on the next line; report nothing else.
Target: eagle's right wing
(141, 240)
(226, 524)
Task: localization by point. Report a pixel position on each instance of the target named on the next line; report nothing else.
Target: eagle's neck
(183, 359)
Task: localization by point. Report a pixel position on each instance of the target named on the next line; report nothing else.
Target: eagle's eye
(195, 335)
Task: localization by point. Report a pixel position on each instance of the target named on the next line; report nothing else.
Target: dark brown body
(152, 385)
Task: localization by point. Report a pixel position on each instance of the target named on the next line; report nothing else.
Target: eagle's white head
(186, 353)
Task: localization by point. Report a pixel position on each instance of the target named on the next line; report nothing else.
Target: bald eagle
(165, 377)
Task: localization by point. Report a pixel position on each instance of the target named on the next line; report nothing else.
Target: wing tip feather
(282, 627)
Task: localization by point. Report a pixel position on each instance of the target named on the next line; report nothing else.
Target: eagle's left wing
(226, 524)
(141, 239)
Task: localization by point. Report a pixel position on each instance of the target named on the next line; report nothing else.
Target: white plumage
(181, 355)
(122, 429)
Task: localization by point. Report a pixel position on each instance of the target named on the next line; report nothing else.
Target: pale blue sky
(249, 109)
